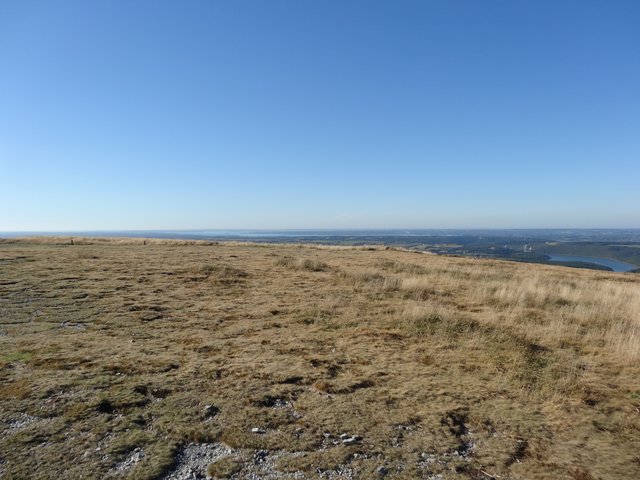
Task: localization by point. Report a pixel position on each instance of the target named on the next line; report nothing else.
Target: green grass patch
(18, 357)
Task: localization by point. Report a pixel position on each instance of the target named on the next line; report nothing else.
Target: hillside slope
(160, 359)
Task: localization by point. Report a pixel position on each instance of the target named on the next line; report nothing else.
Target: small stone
(210, 411)
(260, 456)
(382, 471)
(257, 430)
(349, 441)
(343, 436)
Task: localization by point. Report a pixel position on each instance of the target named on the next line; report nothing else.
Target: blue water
(614, 265)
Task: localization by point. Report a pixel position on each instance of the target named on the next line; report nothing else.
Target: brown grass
(444, 366)
(310, 264)
(224, 468)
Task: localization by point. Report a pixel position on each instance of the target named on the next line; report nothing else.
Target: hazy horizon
(310, 232)
(319, 115)
(396, 231)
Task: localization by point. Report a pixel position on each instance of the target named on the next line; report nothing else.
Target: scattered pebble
(260, 456)
(22, 421)
(382, 471)
(210, 411)
(351, 440)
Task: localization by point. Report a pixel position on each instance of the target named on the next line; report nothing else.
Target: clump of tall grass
(309, 264)
(433, 321)
(420, 288)
(605, 313)
(400, 267)
(370, 279)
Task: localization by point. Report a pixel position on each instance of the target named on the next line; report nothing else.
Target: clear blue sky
(319, 114)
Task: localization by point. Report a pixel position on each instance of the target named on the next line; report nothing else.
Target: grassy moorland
(159, 359)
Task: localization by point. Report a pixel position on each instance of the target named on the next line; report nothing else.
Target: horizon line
(303, 229)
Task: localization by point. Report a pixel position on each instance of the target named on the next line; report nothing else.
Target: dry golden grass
(444, 366)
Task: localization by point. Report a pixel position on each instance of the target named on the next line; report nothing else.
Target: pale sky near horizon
(319, 114)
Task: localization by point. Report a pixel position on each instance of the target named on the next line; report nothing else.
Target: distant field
(148, 359)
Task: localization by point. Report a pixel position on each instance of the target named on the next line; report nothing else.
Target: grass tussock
(419, 322)
(308, 264)
(402, 267)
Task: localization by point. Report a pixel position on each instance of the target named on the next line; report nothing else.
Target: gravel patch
(129, 462)
(194, 458)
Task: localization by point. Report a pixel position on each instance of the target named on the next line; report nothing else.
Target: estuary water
(615, 265)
